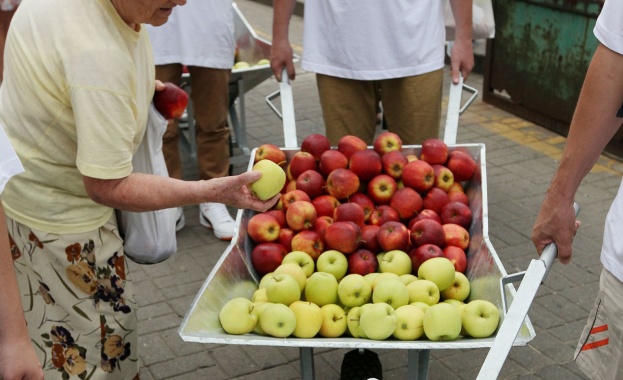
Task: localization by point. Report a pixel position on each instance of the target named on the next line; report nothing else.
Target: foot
(180, 220)
(216, 217)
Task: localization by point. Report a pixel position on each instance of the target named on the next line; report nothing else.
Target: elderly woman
(79, 78)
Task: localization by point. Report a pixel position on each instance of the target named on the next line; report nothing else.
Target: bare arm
(593, 125)
(281, 50)
(462, 57)
(17, 356)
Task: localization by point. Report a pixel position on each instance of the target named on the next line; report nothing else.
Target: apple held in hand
(171, 102)
(480, 318)
(237, 317)
(270, 183)
(442, 322)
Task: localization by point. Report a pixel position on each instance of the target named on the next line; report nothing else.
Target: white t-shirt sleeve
(609, 26)
(9, 163)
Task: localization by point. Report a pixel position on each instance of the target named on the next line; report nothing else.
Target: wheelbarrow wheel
(361, 365)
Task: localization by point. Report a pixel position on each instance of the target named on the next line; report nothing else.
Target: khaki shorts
(598, 354)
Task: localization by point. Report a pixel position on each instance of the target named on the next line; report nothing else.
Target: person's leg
(412, 106)
(348, 107)
(170, 140)
(5, 20)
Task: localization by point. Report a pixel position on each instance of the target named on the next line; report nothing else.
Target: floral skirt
(79, 306)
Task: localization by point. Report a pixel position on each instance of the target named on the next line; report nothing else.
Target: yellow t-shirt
(78, 82)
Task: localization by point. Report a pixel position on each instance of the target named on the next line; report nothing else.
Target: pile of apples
(364, 242)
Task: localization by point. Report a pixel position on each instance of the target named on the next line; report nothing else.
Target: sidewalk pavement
(521, 158)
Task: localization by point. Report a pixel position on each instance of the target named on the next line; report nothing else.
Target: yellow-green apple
(418, 175)
(237, 317)
(293, 196)
(391, 291)
(409, 323)
(393, 236)
(381, 188)
(443, 177)
(331, 160)
(422, 253)
(362, 262)
(343, 236)
(407, 202)
(458, 196)
(325, 205)
(301, 215)
(321, 288)
(333, 262)
(342, 183)
(308, 241)
(456, 235)
(425, 214)
(300, 162)
(171, 101)
(378, 321)
(321, 225)
(456, 303)
(295, 271)
(259, 295)
(412, 157)
(424, 291)
(354, 290)
(279, 215)
(365, 202)
(387, 142)
(480, 318)
(434, 151)
(369, 234)
(264, 280)
(456, 186)
(278, 320)
(407, 278)
(311, 182)
(366, 164)
(270, 152)
(458, 290)
(420, 305)
(270, 183)
(290, 185)
(352, 322)
(285, 238)
(461, 164)
(350, 211)
(382, 277)
(315, 144)
(457, 213)
(241, 65)
(333, 321)
(301, 259)
(393, 163)
(457, 256)
(435, 199)
(370, 277)
(395, 261)
(428, 231)
(442, 322)
(438, 270)
(266, 257)
(258, 308)
(308, 319)
(350, 144)
(283, 288)
(263, 228)
(382, 214)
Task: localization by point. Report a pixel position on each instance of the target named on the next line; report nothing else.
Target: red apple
(434, 151)
(362, 262)
(285, 238)
(457, 196)
(366, 164)
(292, 196)
(325, 204)
(343, 236)
(171, 102)
(263, 228)
(435, 199)
(279, 215)
(407, 202)
(387, 142)
(461, 164)
(393, 163)
(381, 189)
(308, 241)
(350, 211)
(456, 235)
(382, 214)
(316, 144)
(428, 231)
(311, 182)
(270, 152)
(342, 183)
(423, 253)
(301, 215)
(443, 177)
(457, 256)
(365, 202)
(456, 186)
(331, 160)
(349, 144)
(457, 213)
(266, 257)
(300, 162)
(424, 214)
(289, 186)
(369, 237)
(418, 175)
(393, 235)
(322, 222)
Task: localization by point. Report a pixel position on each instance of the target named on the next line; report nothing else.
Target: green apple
(371, 276)
(241, 65)
(333, 321)
(458, 304)
(409, 323)
(480, 318)
(258, 307)
(264, 280)
(421, 305)
(459, 289)
(354, 290)
(283, 288)
(423, 291)
(352, 322)
(334, 262)
(391, 291)
(263, 61)
(308, 319)
(383, 276)
(321, 288)
(271, 182)
(237, 317)
(396, 261)
(295, 271)
(302, 259)
(438, 270)
(259, 295)
(442, 321)
(278, 320)
(408, 278)
(378, 321)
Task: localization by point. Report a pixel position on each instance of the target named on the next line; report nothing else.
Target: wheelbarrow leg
(418, 364)
(307, 363)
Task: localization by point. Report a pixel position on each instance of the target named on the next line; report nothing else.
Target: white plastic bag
(482, 20)
(149, 237)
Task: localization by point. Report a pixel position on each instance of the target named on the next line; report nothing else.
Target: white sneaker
(180, 219)
(216, 217)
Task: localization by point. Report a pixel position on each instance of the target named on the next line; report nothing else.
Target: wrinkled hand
(461, 60)
(234, 191)
(555, 223)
